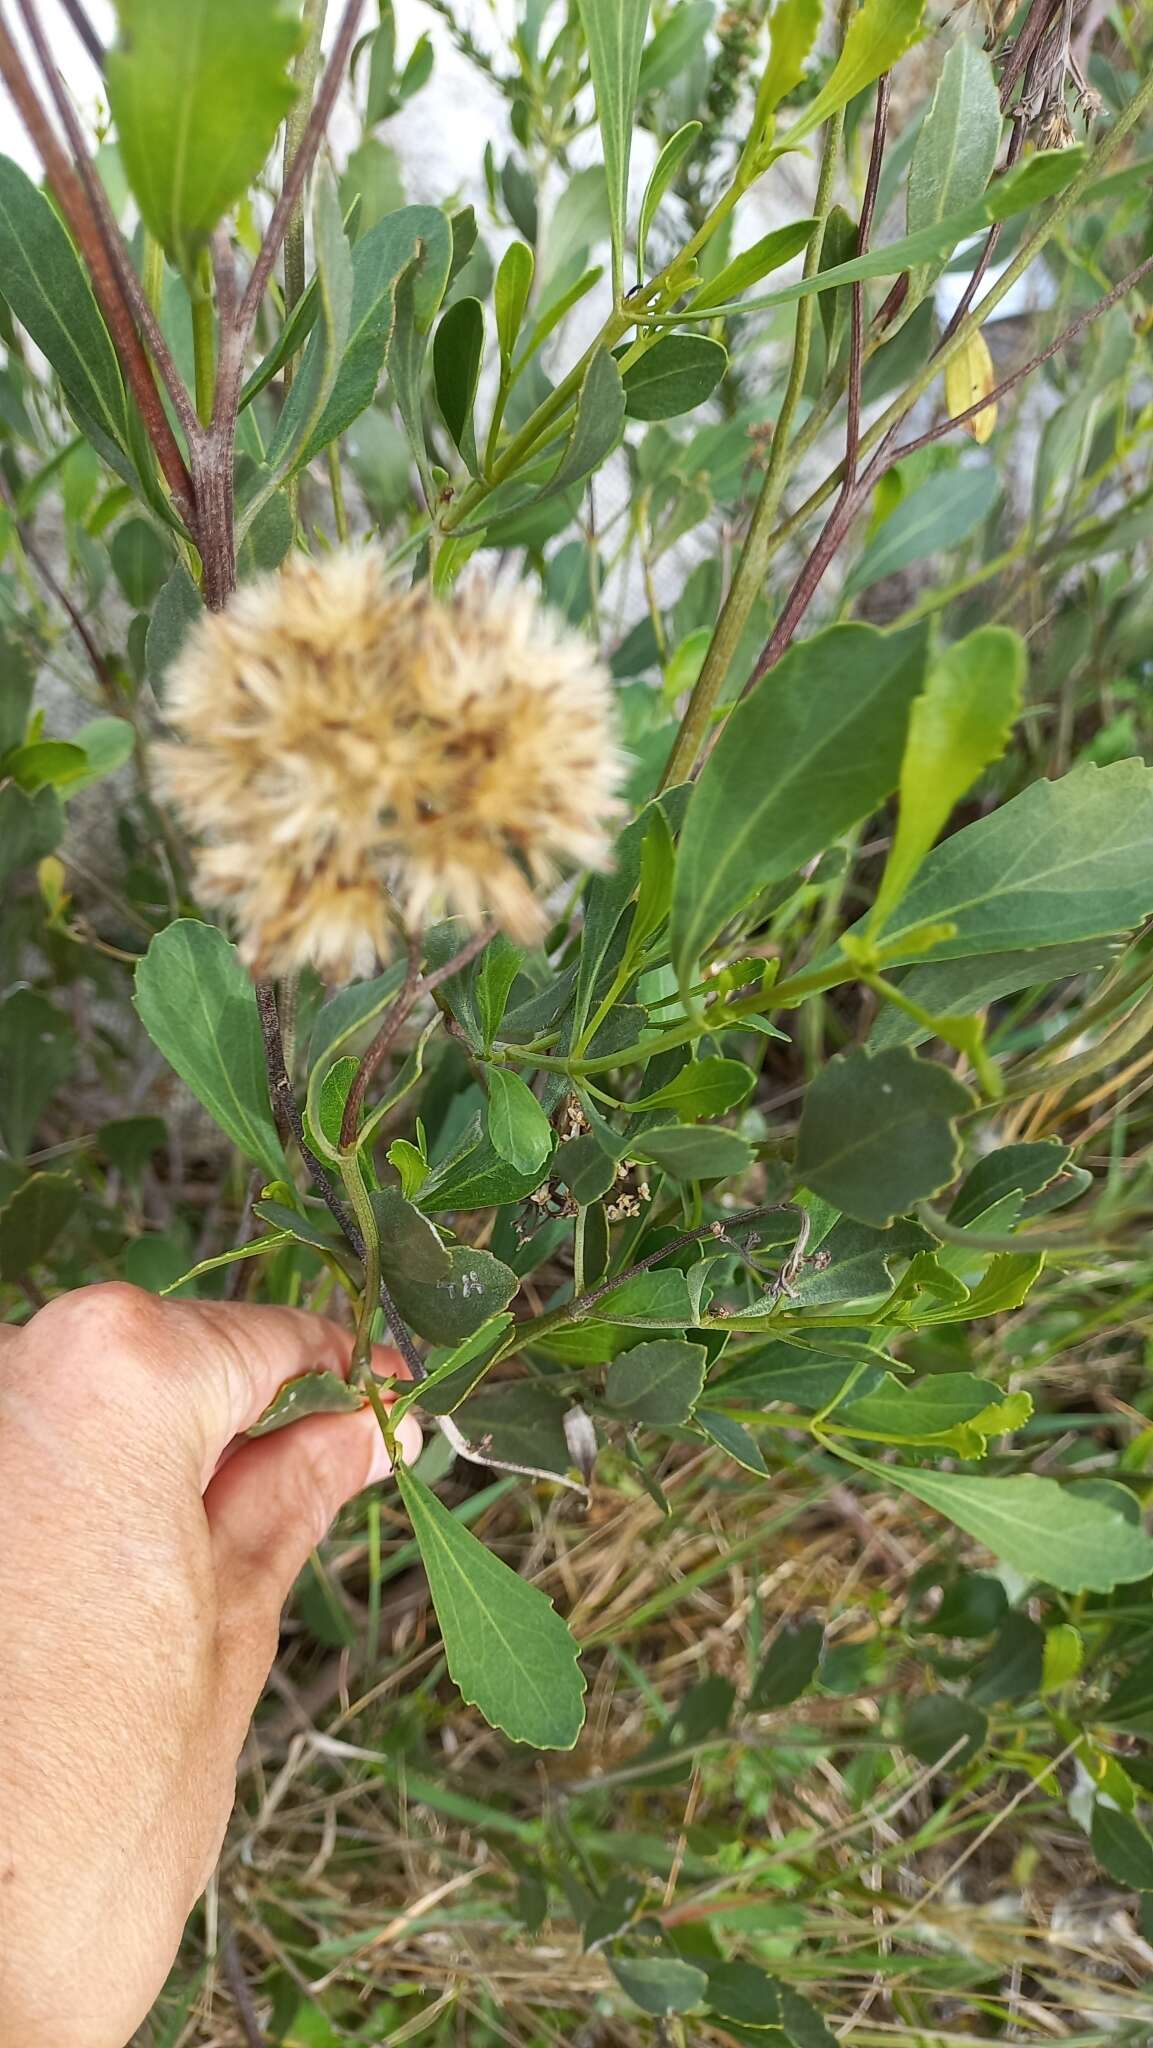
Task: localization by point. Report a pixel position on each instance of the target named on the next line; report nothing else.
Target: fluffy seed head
(344, 742)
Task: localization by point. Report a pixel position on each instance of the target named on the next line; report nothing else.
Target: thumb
(270, 1505)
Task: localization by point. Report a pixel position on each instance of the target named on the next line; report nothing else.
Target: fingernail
(381, 1464)
(411, 1442)
(410, 1437)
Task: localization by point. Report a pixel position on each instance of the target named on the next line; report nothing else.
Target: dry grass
(383, 1830)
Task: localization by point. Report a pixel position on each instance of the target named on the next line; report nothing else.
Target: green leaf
(658, 1382)
(107, 743)
(1131, 1706)
(37, 1049)
(1041, 177)
(658, 1300)
(939, 514)
(19, 661)
(597, 427)
(474, 1176)
(1022, 1169)
(197, 1004)
(788, 1667)
(296, 436)
(518, 1423)
(935, 1407)
(1123, 1848)
(198, 89)
(48, 290)
(508, 1650)
(655, 885)
(445, 1310)
(1062, 1535)
(44, 764)
(140, 562)
(456, 357)
(668, 165)
(1012, 1670)
(704, 1088)
(410, 1246)
(752, 264)
(492, 980)
(787, 1372)
(416, 237)
(793, 29)
(312, 1393)
(418, 292)
(815, 747)
(955, 151)
(517, 1125)
(177, 609)
(742, 1992)
(733, 1439)
(615, 33)
(693, 1152)
(30, 827)
(877, 1132)
(677, 42)
(680, 372)
(878, 33)
(660, 1984)
(953, 988)
(958, 725)
(510, 296)
(32, 1218)
(932, 1727)
(1063, 1656)
(1063, 861)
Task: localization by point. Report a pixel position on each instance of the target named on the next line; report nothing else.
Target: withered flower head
(342, 739)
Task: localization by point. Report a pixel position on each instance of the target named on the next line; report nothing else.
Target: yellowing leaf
(968, 376)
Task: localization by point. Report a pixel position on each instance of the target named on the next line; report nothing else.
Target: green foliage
(771, 1213)
(197, 92)
(196, 1003)
(506, 1646)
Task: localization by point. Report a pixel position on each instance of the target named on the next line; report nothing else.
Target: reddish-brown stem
(857, 341)
(56, 590)
(286, 1112)
(85, 31)
(74, 205)
(851, 499)
(127, 282)
(230, 368)
(1067, 334)
(411, 992)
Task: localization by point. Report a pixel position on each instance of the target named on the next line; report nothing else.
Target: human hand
(142, 1574)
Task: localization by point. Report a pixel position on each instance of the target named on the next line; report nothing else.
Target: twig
(749, 578)
(857, 342)
(285, 1106)
(230, 369)
(56, 590)
(85, 31)
(238, 1985)
(74, 205)
(1067, 334)
(851, 499)
(128, 284)
(412, 990)
(721, 1228)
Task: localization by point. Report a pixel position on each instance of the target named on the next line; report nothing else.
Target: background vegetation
(848, 1474)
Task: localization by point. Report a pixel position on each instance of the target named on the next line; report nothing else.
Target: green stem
(152, 271)
(204, 338)
(1070, 199)
(336, 487)
(361, 1370)
(304, 78)
(750, 573)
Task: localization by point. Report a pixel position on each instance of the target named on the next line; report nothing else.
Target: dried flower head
(346, 743)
